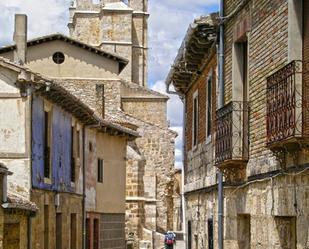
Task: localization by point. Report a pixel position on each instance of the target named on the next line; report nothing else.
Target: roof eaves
(203, 26)
(52, 37)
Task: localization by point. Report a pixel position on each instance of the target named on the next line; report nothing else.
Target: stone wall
(15, 230)
(115, 28)
(112, 231)
(141, 108)
(270, 210)
(268, 51)
(48, 208)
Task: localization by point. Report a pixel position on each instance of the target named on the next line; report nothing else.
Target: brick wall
(199, 160)
(268, 51)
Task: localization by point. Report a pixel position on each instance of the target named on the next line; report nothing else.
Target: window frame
(100, 170)
(209, 106)
(195, 119)
(47, 143)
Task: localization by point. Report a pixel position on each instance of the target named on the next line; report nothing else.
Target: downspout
(184, 223)
(220, 105)
(84, 190)
(183, 203)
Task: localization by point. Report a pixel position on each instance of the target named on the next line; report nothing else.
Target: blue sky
(169, 20)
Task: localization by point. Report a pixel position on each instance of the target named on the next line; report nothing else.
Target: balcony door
(305, 64)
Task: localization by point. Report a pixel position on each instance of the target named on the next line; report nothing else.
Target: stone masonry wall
(265, 204)
(269, 211)
(155, 146)
(141, 108)
(69, 204)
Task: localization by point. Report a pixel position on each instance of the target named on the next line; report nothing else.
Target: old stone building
(56, 153)
(121, 28)
(108, 74)
(258, 138)
(116, 26)
(194, 76)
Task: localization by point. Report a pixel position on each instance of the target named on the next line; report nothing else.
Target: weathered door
(11, 238)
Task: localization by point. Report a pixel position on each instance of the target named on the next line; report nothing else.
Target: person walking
(169, 240)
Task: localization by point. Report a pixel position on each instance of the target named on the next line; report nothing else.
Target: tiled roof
(57, 94)
(52, 37)
(17, 202)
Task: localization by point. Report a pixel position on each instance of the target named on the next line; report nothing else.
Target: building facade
(63, 145)
(150, 158)
(258, 138)
(116, 26)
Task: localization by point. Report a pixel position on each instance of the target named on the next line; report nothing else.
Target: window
(96, 234)
(78, 143)
(72, 154)
(46, 226)
(73, 231)
(286, 229)
(58, 230)
(210, 229)
(209, 106)
(189, 235)
(100, 170)
(243, 231)
(195, 119)
(47, 142)
(88, 233)
(58, 57)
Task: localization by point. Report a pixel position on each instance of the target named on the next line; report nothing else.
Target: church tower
(116, 26)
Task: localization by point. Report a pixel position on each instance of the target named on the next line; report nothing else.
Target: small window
(100, 170)
(210, 229)
(47, 143)
(90, 147)
(195, 119)
(58, 58)
(209, 107)
(78, 143)
(72, 155)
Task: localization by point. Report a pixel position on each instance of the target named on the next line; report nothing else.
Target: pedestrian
(169, 240)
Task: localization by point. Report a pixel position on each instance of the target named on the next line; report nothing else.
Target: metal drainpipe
(84, 189)
(183, 202)
(220, 105)
(184, 223)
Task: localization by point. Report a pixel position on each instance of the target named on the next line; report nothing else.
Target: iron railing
(232, 133)
(285, 104)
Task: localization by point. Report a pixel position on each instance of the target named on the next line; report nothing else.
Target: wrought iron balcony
(232, 134)
(287, 106)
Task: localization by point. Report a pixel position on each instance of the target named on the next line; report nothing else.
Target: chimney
(20, 39)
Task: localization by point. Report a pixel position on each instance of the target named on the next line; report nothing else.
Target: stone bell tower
(116, 26)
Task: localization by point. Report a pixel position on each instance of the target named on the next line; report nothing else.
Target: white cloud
(169, 20)
(44, 17)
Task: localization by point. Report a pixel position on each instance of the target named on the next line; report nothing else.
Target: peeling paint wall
(14, 134)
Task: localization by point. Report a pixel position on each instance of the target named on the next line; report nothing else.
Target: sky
(168, 23)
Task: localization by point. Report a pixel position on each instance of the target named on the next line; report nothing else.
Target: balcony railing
(286, 107)
(232, 134)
